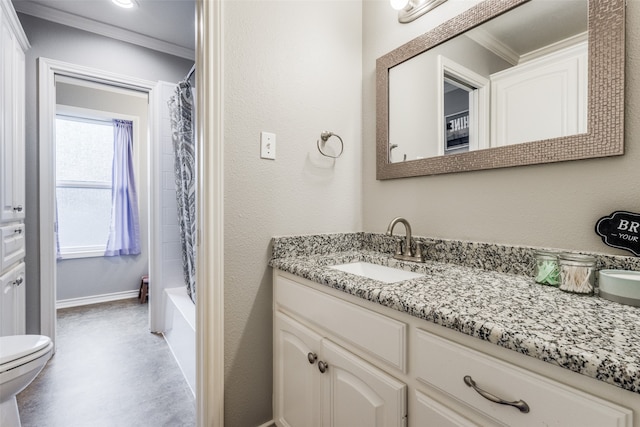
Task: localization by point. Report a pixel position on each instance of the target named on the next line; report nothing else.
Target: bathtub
(180, 331)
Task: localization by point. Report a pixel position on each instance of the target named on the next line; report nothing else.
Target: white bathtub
(180, 331)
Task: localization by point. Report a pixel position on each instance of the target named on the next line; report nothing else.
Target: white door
(356, 394)
(297, 396)
(12, 302)
(12, 148)
(540, 99)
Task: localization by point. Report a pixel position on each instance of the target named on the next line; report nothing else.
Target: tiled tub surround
(485, 291)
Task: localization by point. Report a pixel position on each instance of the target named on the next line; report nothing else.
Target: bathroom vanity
(440, 349)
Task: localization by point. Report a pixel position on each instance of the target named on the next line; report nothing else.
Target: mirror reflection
(519, 77)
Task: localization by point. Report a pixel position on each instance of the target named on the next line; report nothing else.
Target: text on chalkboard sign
(621, 230)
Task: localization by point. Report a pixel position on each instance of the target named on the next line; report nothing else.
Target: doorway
(84, 158)
(463, 108)
(49, 72)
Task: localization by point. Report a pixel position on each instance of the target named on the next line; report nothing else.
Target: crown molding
(10, 14)
(79, 22)
(489, 42)
(555, 47)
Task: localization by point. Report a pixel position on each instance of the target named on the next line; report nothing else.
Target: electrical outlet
(268, 145)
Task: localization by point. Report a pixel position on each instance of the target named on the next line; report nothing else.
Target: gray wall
(54, 41)
(555, 205)
(86, 277)
(297, 76)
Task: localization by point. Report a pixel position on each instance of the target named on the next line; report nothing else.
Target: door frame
(210, 371)
(479, 103)
(47, 71)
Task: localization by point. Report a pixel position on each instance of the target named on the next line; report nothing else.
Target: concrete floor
(108, 371)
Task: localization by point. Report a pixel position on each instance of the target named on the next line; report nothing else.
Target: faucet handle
(419, 250)
(398, 246)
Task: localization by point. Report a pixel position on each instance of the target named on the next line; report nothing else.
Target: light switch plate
(268, 145)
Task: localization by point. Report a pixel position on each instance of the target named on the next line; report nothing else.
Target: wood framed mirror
(601, 133)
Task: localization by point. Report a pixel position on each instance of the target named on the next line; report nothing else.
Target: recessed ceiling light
(127, 4)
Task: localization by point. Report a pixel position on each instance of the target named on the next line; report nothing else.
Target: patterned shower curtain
(181, 113)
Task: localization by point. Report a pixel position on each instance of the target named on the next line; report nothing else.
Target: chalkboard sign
(621, 230)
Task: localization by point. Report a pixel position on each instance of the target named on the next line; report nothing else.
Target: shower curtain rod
(190, 73)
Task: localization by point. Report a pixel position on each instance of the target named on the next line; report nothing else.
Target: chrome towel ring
(324, 136)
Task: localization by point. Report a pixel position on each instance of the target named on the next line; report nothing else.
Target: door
(297, 381)
(12, 302)
(12, 157)
(357, 394)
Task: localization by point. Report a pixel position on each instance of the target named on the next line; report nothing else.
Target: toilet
(22, 357)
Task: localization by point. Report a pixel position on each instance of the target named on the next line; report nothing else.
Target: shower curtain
(181, 113)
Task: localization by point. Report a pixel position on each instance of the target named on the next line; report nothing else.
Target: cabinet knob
(520, 404)
(18, 208)
(322, 367)
(19, 281)
(312, 357)
(18, 230)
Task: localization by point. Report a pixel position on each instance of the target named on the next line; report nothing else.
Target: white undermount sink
(377, 272)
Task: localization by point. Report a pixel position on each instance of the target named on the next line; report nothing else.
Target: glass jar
(577, 273)
(546, 270)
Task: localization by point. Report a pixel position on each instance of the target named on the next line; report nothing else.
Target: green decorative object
(547, 271)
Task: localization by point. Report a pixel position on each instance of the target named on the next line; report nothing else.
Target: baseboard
(96, 299)
(268, 424)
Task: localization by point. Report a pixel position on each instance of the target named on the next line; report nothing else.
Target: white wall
(414, 122)
(555, 205)
(292, 68)
(67, 44)
(86, 277)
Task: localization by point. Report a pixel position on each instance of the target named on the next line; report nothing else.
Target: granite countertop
(586, 334)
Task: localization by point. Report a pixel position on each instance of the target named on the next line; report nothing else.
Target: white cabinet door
(12, 302)
(12, 157)
(297, 396)
(540, 99)
(357, 394)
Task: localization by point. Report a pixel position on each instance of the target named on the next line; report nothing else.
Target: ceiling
(164, 25)
(533, 26)
(169, 25)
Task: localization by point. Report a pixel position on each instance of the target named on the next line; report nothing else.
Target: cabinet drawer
(11, 245)
(443, 364)
(378, 335)
(428, 412)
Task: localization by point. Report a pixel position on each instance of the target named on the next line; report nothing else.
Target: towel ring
(324, 136)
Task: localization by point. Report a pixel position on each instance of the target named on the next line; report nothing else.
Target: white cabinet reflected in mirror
(506, 83)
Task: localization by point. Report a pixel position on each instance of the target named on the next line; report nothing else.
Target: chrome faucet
(407, 254)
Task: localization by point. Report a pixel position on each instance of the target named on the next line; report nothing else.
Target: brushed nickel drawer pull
(520, 404)
(323, 366)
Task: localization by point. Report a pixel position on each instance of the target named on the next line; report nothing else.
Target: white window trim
(83, 184)
(75, 252)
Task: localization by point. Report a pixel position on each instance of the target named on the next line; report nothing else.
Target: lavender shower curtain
(181, 112)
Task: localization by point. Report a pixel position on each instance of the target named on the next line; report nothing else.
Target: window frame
(97, 116)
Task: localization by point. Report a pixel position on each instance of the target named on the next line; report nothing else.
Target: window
(84, 156)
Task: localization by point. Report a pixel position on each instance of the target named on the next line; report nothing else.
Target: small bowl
(621, 286)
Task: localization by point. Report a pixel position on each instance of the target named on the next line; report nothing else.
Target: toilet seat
(16, 350)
